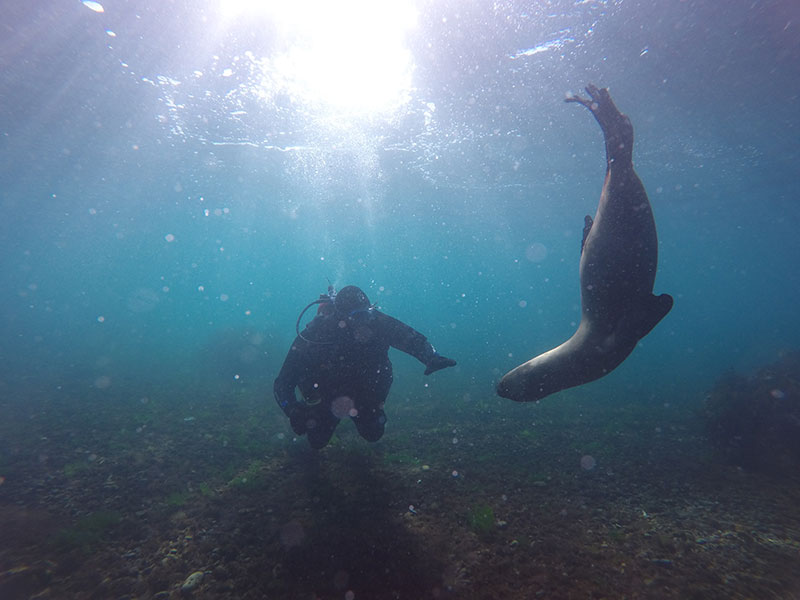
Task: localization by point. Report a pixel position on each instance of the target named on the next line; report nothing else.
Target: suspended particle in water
(169, 237)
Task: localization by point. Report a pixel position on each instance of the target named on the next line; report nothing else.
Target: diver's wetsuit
(346, 372)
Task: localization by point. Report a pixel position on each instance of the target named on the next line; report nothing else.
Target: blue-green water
(179, 179)
(459, 211)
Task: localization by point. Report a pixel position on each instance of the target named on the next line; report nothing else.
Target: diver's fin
(587, 227)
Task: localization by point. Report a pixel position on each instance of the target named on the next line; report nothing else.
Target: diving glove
(437, 363)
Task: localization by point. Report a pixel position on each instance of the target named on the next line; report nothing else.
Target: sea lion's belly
(620, 255)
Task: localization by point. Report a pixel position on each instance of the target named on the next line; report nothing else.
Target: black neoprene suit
(346, 357)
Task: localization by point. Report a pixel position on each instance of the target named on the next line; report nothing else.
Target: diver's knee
(372, 434)
(319, 441)
(372, 430)
(320, 432)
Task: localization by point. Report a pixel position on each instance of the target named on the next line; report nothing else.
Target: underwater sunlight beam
(348, 57)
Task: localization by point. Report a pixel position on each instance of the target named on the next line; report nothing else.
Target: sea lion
(617, 271)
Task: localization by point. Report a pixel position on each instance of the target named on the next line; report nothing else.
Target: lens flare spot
(95, 6)
(102, 382)
(536, 252)
(342, 406)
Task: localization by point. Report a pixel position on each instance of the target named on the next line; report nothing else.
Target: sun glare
(350, 56)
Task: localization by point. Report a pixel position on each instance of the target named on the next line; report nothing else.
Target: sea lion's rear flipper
(651, 311)
(587, 227)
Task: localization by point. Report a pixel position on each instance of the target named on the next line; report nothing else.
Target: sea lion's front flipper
(587, 227)
(617, 127)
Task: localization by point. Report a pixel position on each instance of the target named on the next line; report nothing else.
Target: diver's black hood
(350, 298)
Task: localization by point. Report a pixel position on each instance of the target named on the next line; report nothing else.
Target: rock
(192, 581)
(664, 562)
(221, 573)
(22, 582)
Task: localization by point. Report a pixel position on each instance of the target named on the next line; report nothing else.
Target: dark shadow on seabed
(355, 534)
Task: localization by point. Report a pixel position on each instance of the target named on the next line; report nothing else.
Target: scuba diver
(340, 363)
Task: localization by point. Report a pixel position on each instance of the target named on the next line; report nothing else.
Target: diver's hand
(298, 419)
(437, 363)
